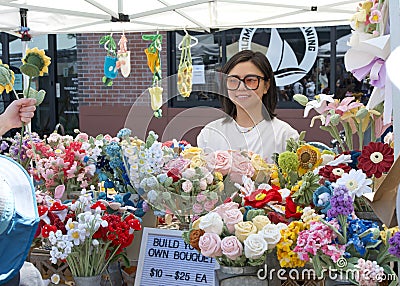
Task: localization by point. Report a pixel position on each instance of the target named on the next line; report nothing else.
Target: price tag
(166, 260)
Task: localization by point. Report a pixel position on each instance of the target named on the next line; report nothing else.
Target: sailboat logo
(282, 57)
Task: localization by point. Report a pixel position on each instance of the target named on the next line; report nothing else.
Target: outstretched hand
(18, 112)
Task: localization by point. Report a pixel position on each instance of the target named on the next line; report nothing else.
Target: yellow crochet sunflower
(37, 58)
(6, 78)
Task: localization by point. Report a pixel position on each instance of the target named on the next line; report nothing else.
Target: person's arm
(18, 112)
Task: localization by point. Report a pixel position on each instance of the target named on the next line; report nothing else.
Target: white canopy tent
(77, 16)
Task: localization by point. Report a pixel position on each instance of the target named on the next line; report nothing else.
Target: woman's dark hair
(269, 99)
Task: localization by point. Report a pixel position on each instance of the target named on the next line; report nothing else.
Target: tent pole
(394, 16)
(332, 77)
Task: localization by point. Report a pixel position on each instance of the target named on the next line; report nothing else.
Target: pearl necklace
(245, 130)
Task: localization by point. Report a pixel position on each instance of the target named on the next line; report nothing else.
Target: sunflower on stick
(35, 64)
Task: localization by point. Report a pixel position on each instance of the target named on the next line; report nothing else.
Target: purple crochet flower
(394, 243)
(4, 146)
(341, 202)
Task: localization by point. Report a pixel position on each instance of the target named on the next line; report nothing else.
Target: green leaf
(99, 137)
(38, 95)
(185, 236)
(302, 135)
(317, 265)
(376, 244)
(352, 260)
(30, 70)
(389, 259)
(31, 93)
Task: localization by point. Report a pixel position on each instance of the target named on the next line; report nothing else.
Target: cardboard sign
(383, 201)
(166, 260)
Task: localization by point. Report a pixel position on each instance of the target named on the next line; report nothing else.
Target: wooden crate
(41, 259)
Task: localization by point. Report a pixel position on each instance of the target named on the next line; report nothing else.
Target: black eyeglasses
(250, 81)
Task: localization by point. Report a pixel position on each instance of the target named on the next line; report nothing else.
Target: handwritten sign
(166, 260)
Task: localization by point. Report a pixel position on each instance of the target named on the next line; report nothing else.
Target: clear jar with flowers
(92, 237)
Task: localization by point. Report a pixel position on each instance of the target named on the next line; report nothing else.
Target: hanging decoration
(185, 69)
(24, 32)
(124, 57)
(154, 63)
(110, 61)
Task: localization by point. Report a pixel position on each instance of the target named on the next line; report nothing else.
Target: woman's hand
(18, 112)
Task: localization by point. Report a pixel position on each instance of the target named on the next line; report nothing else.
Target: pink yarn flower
(231, 247)
(319, 237)
(375, 17)
(210, 244)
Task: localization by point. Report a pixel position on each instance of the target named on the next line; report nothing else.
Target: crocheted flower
(341, 203)
(291, 209)
(394, 243)
(376, 158)
(288, 161)
(369, 272)
(36, 63)
(309, 158)
(356, 182)
(260, 198)
(6, 78)
(354, 155)
(322, 197)
(332, 173)
(284, 249)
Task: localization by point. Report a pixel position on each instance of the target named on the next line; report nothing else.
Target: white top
(266, 138)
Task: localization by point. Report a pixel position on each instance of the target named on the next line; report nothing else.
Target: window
(67, 84)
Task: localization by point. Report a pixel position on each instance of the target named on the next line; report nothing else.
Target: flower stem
(373, 137)
(360, 136)
(337, 137)
(343, 223)
(23, 126)
(348, 134)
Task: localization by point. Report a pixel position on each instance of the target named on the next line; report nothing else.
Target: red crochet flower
(174, 174)
(332, 173)
(291, 209)
(260, 198)
(276, 218)
(375, 159)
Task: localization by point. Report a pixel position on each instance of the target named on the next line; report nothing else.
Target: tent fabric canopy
(81, 16)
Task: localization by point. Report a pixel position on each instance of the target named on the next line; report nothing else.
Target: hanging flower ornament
(110, 60)
(154, 63)
(185, 69)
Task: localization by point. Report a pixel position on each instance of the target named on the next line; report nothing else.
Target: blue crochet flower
(322, 196)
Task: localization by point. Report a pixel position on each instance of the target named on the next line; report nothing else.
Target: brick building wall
(108, 109)
(124, 91)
